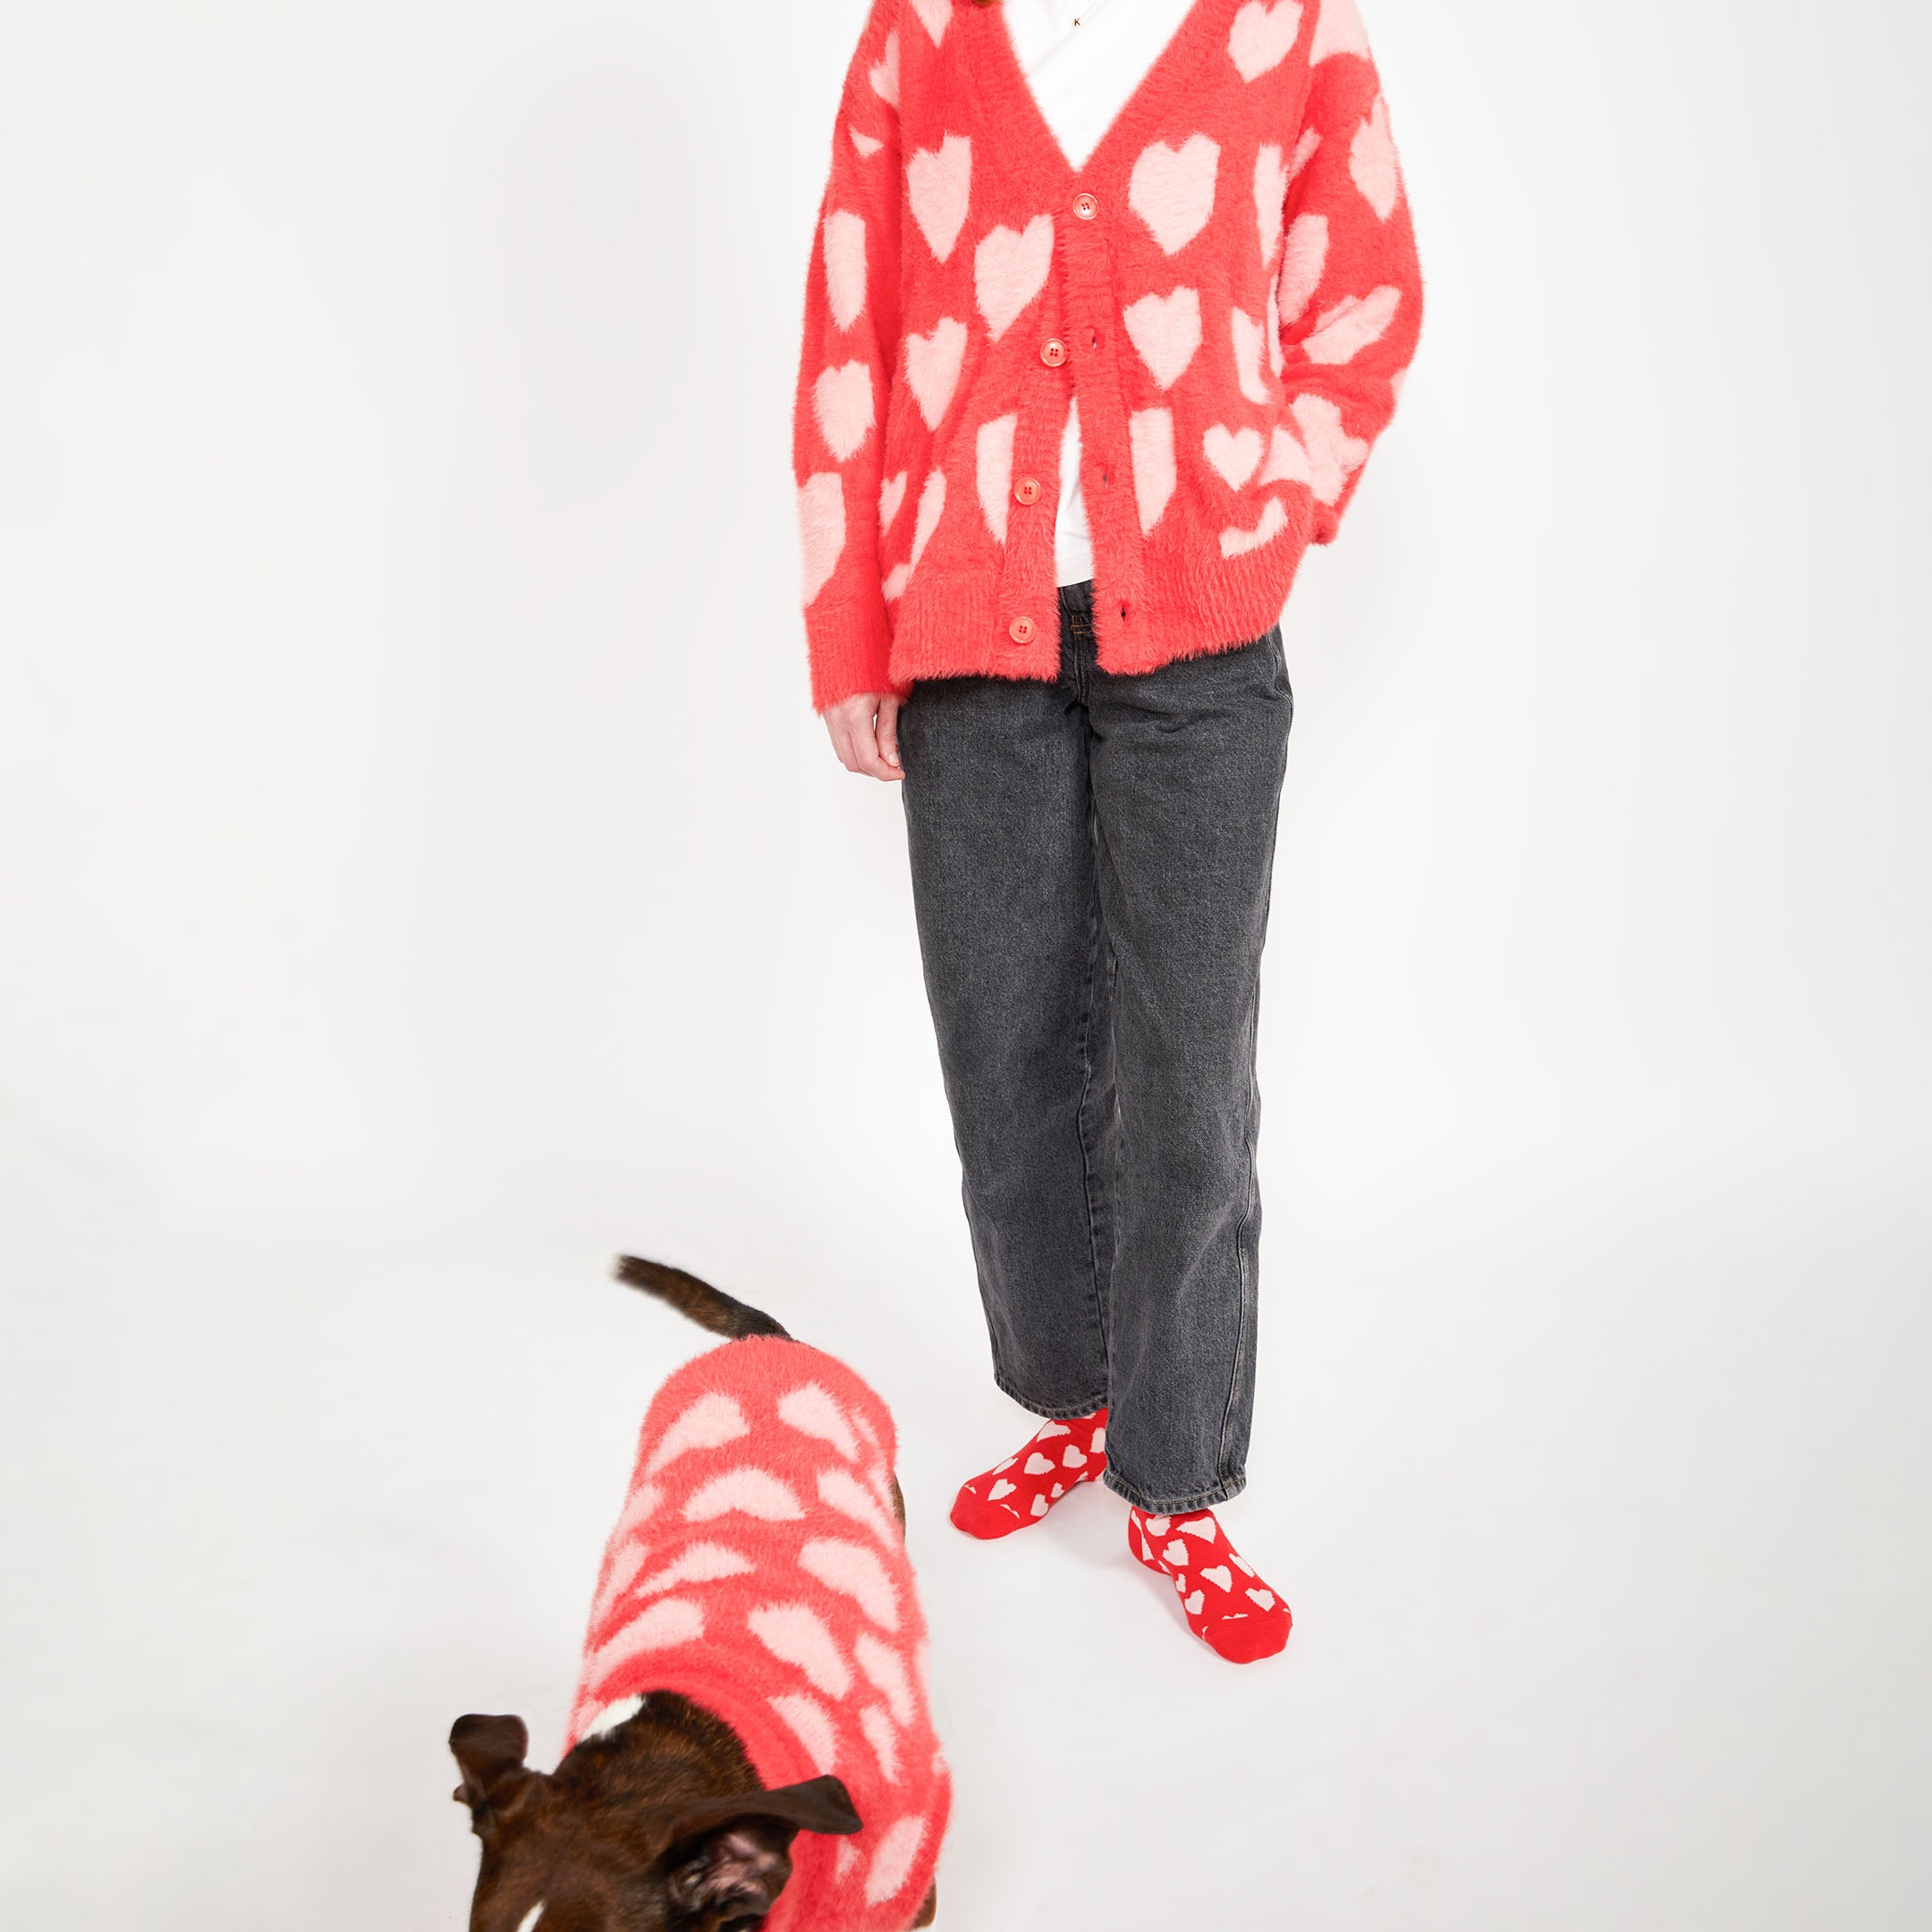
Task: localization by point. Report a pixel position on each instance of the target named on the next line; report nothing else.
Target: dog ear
(731, 1855)
(489, 1752)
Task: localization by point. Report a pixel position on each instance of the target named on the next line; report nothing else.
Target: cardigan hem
(945, 622)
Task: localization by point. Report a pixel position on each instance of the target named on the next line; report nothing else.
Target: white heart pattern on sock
(1074, 1457)
(1239, 1634)
(1037, 1465)
(1001, 1489)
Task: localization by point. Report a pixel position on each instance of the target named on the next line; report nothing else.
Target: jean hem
(1050, 1413)
(1222, 1492)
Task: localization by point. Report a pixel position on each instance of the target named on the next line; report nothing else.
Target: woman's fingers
(862, 729)
(888, 735)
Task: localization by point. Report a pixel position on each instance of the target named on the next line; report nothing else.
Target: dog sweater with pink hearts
(759, 1568)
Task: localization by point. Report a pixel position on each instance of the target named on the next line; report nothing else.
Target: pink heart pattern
(939, 187)
(807, 1612)
(1173, 190)
(1008, 270)
(1372, 164)
(1166, 331)
(1262, 36)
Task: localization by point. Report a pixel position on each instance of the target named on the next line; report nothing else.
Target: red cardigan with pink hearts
(1228, 290)
(758, 1570)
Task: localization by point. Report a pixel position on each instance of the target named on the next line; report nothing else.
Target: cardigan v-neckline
(1179, 52)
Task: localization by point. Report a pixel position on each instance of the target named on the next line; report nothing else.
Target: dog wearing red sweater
(750, 1744)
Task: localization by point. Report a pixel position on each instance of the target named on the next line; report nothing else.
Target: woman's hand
(865, 733)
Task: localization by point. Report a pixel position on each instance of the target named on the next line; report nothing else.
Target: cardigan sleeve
(1350, 295)
(852, 336)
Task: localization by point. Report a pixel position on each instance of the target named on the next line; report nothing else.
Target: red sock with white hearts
(1227, 1605)
(1021, 1490)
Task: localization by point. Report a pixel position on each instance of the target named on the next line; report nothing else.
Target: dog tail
(710, 1307)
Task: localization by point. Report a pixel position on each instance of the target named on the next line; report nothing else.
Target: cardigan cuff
(851, 652)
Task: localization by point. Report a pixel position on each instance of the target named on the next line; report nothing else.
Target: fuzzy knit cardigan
(1227, 291)
(759, 1568)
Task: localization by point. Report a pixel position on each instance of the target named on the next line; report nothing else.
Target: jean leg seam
(1244, 1339)
(1244, 1320)
(1094, 950)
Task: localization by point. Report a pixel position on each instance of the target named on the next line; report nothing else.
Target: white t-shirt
(1083, 59)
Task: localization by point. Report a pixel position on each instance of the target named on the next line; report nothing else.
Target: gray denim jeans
(1090, 871)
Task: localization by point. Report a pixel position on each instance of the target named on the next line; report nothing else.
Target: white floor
(1604, 1530)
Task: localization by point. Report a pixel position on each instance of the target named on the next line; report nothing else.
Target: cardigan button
(1026, 490)
(1086, 206)
(1053, 353)
(1021, 629)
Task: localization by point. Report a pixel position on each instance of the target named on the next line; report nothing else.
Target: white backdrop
(423, 875)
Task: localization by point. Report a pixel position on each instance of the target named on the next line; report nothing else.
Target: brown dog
(657, 1820)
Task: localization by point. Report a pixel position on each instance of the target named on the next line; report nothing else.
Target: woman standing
(1109, 299)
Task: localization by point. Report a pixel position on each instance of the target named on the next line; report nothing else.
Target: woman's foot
(1023, 1488)
(1227, 1605)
